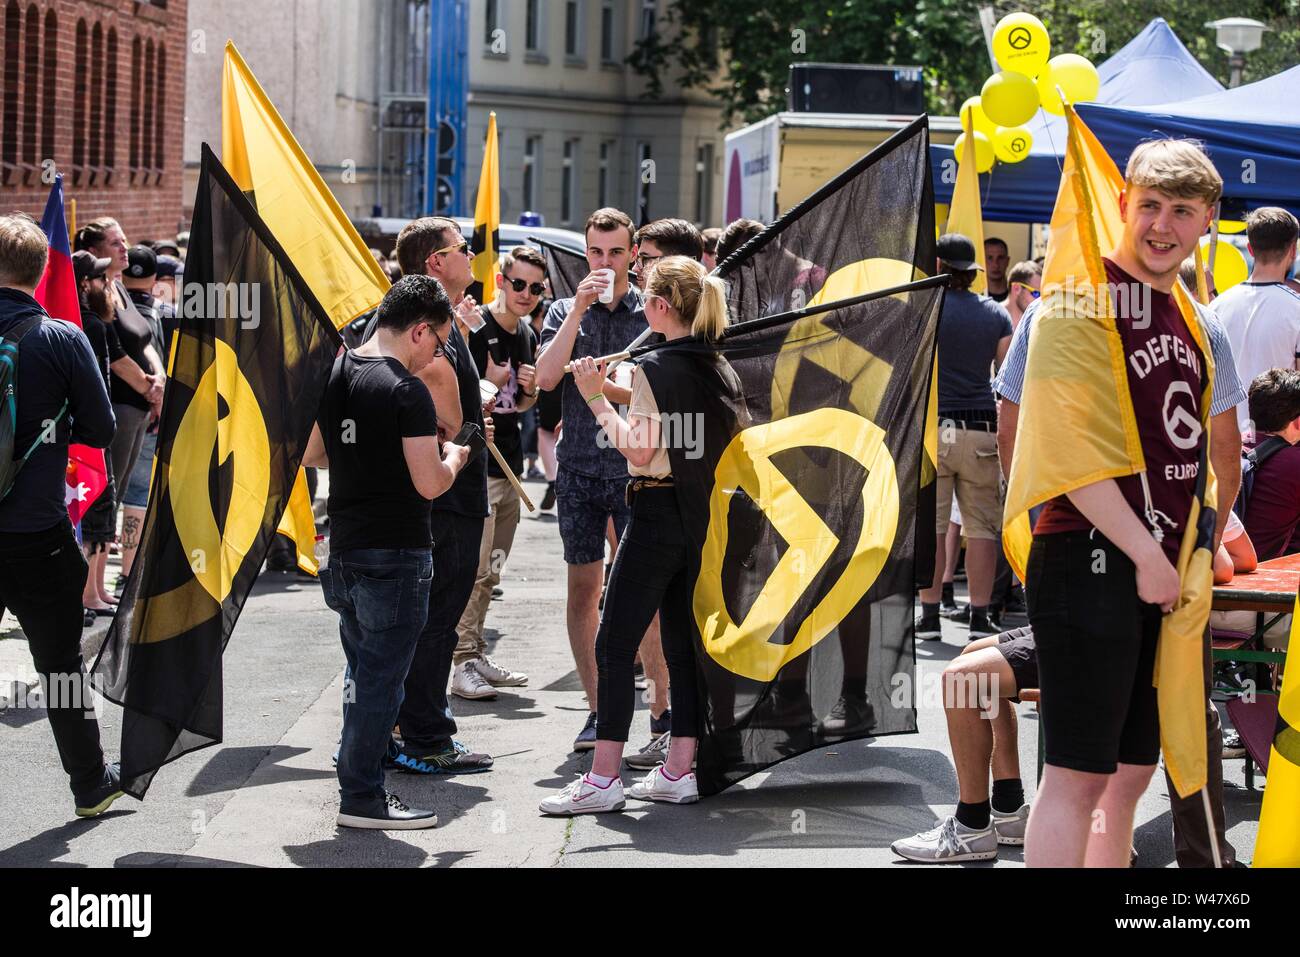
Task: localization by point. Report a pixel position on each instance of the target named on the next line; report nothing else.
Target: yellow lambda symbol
(215, 555)
(745, 648)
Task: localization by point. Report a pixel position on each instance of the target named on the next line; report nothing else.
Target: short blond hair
(1175, 167)
(24, 249)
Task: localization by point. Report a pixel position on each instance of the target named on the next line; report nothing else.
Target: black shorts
(1096, 651)
(1018, 647)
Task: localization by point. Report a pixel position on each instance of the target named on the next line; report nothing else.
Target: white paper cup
(487, 390)
(607, 294)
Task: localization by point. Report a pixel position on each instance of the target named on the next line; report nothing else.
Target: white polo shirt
(1263, 325)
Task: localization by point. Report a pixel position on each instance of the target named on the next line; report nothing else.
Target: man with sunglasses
(503, 348)
(433, 246)
(1025, 279)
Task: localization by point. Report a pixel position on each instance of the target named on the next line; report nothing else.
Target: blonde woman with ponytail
(654, 567)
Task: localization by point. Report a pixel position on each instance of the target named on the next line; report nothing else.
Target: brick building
(98, 88)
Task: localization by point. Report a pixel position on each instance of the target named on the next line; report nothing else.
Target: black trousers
(41, 578)
(426, 720)
(652, 573)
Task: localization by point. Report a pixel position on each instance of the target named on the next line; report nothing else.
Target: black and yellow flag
(564, 268)
(486, 243)
(1278, 842)
(250, 363)
(803, 486)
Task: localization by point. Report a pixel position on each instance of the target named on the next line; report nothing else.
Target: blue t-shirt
(55, 365)
(603, 330)
(970, 328)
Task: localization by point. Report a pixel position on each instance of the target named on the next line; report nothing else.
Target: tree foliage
(741, 53)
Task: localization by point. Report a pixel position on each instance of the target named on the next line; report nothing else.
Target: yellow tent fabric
(1277, 844)
(487, 212)
(965, 215)
(1077, 427)
(263, 157)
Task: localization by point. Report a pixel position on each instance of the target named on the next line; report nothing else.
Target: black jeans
(652, 573)
(41, 578)
(425, 718)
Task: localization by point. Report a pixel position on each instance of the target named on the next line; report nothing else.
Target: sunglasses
(519, 285)
(1033, 293)
(460, 247)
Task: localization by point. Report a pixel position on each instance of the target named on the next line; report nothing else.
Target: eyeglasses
(441, 351)
(519, 285)
(645, 260)
(460, 247)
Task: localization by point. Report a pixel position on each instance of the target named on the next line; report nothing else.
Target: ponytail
(700, 299)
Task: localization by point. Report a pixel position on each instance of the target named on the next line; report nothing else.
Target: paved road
(267, 796)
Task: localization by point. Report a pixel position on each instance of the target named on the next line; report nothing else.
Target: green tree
(742, 54)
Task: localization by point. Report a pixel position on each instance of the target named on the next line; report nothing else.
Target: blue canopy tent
(1153, 67)
(1252, 134)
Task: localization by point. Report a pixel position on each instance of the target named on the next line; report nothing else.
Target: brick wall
(144, 195)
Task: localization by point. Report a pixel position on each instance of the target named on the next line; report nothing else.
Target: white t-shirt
(1233, 530)
(1263, 325)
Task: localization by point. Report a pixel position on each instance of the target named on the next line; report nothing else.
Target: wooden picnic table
(1271, 587)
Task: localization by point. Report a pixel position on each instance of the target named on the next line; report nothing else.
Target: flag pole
(510, 476)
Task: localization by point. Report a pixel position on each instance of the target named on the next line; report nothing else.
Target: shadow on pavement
(357, 848)
(42, 849)
(147, 859)
(230, 768)
(507, 705)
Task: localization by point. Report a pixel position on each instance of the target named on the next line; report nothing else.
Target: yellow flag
(965, 215)
(1277, 844)
(299, 523)
(1077, 427)
(487, 213)
(266, 161)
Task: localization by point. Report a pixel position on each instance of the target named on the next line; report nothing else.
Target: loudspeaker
(850, 88)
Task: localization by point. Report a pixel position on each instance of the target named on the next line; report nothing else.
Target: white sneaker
(655, 786)
(949, 843)
(1010, 828)
(466, 682)
(583, 797)
(499, 677)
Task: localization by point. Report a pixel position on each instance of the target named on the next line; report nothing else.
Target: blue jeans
(382, 598)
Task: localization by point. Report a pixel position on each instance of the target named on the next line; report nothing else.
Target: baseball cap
(956, 251)
(141, 263)
(167, 246)
(85, 265)
(169, 267)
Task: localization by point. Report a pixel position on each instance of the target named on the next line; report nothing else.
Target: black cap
(168, 246)
(169, 267)
(85, 265)
(141, 262)
(957, 252)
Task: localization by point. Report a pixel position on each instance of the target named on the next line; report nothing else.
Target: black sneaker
(981, 626)
(97, 800)
(851, 715)
(548, 499)
(457, 759)
(929, 627)
(387, 814)
(1015, 604)
(662, 724)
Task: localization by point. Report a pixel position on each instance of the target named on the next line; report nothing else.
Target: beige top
(644, 406)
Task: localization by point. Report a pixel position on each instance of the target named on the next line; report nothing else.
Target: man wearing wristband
(503, 348)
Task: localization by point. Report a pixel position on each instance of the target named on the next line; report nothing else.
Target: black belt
(641, 484)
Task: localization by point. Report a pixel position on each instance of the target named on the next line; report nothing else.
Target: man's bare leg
(1061, 820)
(132, 528)
(973, 684)
(582, 616)
(981, 569)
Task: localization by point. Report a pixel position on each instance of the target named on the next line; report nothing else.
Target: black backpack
(1252, 460)
(10, 463)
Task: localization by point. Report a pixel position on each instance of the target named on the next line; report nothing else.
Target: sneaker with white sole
(1010, 828)
(949, 843)
(652, 755)
(586, 739)
(584, 797)
(387, 814)
(657, 786)
(466, 682)
(496, 676)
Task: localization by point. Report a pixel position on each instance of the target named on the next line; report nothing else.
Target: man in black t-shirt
(503, 348)
(377, 433)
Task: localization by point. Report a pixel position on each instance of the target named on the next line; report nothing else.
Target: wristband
(598, 395)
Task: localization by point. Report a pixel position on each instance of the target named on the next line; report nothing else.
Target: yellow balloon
(983, 151)
(1229, 264)
(1231, 226)
(1011, 144)
(972, 115)
(1021, 43)
(1075, 75)
(1009, 99)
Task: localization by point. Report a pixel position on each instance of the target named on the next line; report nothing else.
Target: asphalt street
(267, 795)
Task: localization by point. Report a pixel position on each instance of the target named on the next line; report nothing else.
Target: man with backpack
(1269, 501)
(53, 394)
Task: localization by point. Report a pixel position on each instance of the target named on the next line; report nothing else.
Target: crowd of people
(422, 514)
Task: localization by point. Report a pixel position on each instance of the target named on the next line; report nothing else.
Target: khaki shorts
(968, 465)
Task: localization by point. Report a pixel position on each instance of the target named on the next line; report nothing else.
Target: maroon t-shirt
(1165, 369)
(1274, 509)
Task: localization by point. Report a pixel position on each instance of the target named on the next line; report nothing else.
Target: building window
(608, 33)
(533, 26)
(137, 57)
(49, 99)
(648, 11)
(80, 82)
(146, 94)
(532, 170)
(569, 180)
(573, 45)
(110, 101)
(491, 20)
(32, 64)
(644, 172)
(602, 184)
(703, 184)
(12, 71)
(160, 94)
